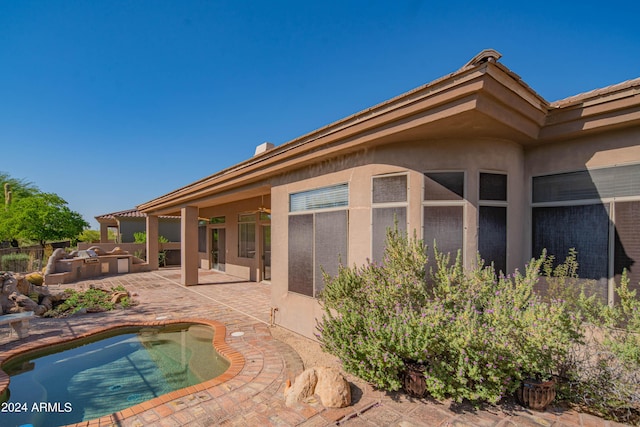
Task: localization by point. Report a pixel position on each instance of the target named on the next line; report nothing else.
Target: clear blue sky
(110, 104)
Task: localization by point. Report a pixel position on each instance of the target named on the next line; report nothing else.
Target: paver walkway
(254, 397)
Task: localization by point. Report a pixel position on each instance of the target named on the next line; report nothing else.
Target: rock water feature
(19, 294)
(22, 293)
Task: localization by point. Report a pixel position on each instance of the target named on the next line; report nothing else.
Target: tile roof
(581, 97)
(130, 213)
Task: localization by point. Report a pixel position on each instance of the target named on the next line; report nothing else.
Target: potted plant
(536, 393)
(413, 380)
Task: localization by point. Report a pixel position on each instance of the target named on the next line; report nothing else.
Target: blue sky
(110, 104)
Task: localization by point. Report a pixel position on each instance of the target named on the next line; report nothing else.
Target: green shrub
(477, 334)
(141, 237)
(91, 299)
(15, 262)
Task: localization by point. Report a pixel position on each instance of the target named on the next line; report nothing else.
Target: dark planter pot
(535, 394)
(413, 381)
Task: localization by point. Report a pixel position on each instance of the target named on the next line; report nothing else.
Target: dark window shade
(619, 181)
(301, 254)
(585, 228)
(390, 189)
(492, 236)
(493, 186)
(444, 225)
(444, 186)
(626, 181)
(627, 241)
(202, 238)
(384, 219)
(331, 235)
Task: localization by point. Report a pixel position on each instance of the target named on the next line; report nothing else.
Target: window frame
(463, 202)
(386, 205)
(609, 202)
(495, 203)
(244, 253)
(313, 212)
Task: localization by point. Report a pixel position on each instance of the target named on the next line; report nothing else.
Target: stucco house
(475, 160)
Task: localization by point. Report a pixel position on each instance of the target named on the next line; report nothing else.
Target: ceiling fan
(262, 208)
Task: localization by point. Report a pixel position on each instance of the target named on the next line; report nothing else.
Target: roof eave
(451, 94)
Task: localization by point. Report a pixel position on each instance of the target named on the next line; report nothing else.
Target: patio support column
(104, 233)
(189, 245)
(152, 241)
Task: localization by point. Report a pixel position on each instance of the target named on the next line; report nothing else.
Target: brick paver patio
(254, 396)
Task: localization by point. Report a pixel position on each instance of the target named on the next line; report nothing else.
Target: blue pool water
(111, 372)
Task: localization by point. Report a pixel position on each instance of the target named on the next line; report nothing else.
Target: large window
(389, 210)
(443, 212)
(318, 237)
(583, 227)
(247, 235)
(627, 241)
(492, 220)
(595, 211)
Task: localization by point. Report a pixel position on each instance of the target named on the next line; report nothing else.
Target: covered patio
(224, 231)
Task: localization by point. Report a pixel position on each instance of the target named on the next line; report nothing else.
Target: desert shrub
(497, 332)
(372, 313)
(477, 334)
(141, 237)
(15, 262)
(602, 374)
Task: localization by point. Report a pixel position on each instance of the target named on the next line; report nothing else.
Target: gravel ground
(308, 349)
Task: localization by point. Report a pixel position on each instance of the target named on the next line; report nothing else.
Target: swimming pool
(107, 372)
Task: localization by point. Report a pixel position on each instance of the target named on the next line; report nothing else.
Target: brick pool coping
(235, 358)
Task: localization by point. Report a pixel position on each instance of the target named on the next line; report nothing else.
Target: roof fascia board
(522, 123)
(596, 96)
(512, 81)
(430, 102)
(593, 115)
(301, 158)
(426, 91)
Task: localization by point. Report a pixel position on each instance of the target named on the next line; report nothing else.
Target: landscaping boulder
(35, 278)
(51, 263)
(328, 384)
(117, 297)
(302, 388)
(23, 285)
(24, 303)
(332, 388)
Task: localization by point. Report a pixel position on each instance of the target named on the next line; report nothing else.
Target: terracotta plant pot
(413, 381)
(535, 394)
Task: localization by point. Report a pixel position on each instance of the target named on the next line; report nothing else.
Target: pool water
(112, 372)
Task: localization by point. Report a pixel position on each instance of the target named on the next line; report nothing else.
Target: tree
(89, 236)
(41, 217)
(19, 188)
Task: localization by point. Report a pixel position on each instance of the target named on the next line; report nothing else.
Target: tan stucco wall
(298, 312)
(600, 150)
